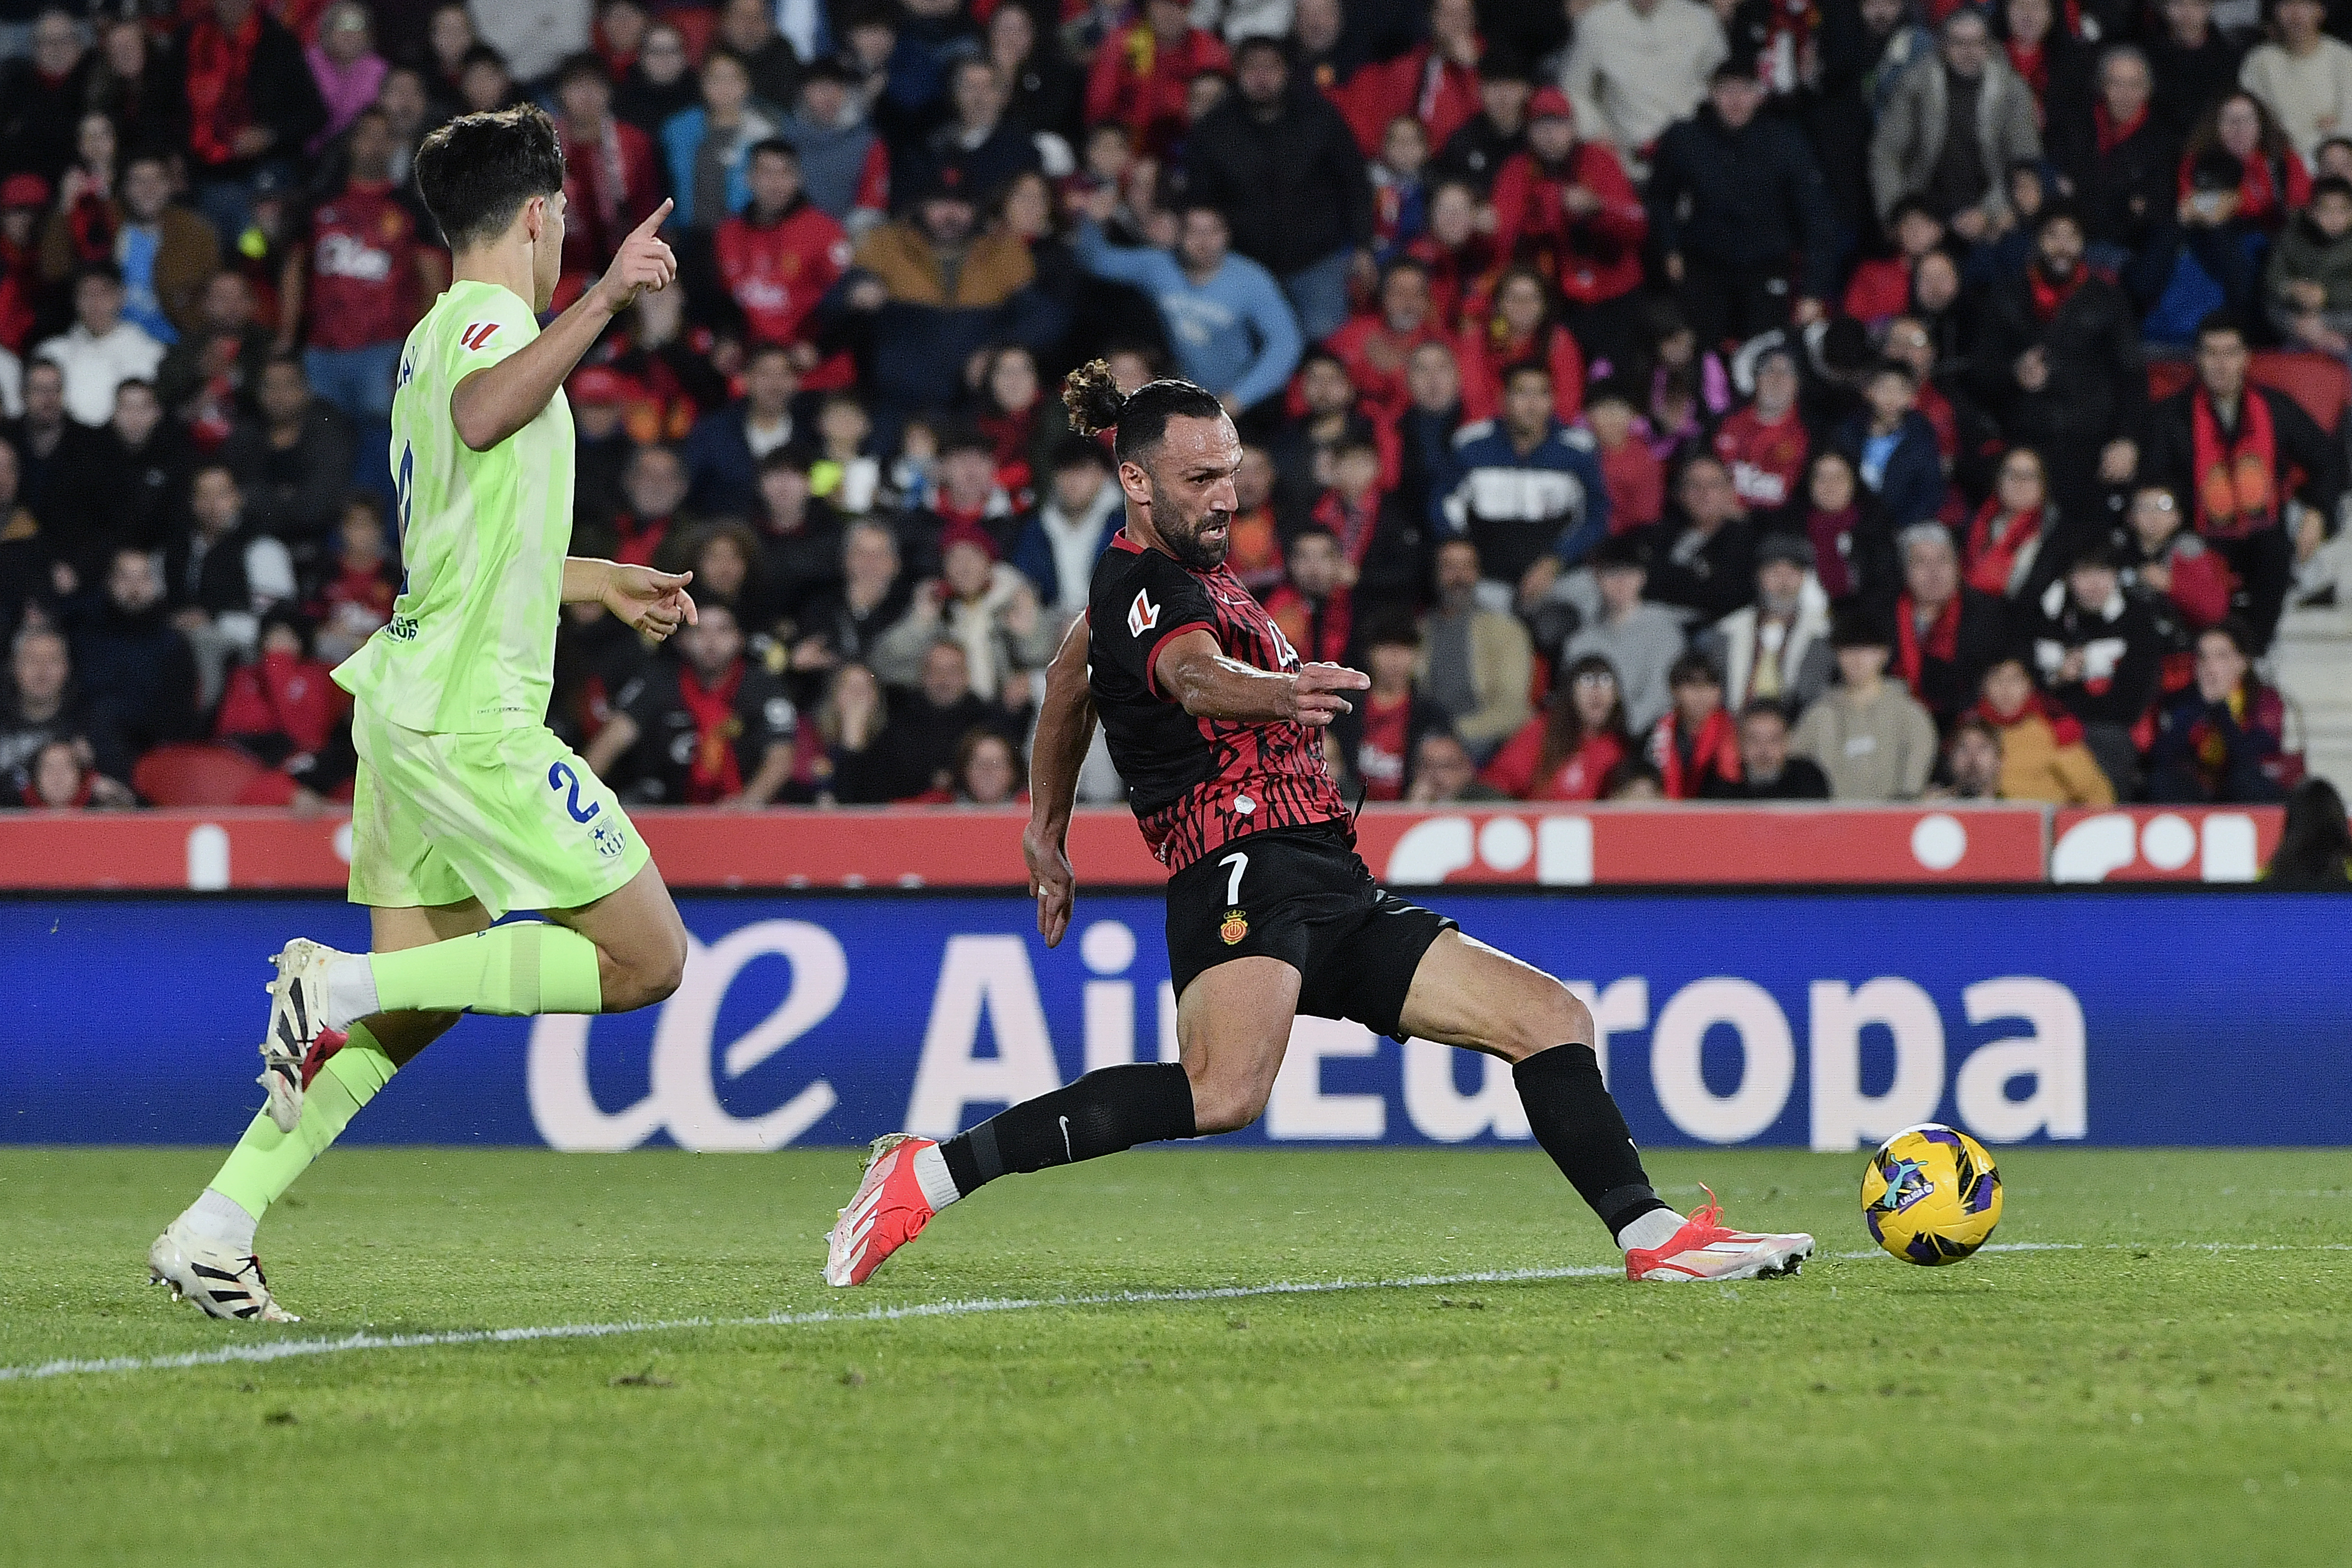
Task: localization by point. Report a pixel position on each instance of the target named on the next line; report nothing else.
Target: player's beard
(1184, 537)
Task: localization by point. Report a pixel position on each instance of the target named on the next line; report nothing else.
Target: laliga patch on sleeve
(1142, 615)
(478, 336)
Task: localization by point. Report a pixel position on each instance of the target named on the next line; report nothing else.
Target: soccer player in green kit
(467, 807)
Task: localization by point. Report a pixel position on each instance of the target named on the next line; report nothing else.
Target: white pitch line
(281, 1349)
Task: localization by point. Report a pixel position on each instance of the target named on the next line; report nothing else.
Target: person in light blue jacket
(707, 148)
(1232, 330)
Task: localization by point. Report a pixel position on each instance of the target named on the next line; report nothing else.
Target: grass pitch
(2175, 1386)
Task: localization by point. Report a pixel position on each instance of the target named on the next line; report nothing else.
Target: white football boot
(225, 1284)
(297, 1041)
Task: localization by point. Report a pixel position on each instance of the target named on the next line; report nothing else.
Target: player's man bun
(1140, 417)
(1093, 398)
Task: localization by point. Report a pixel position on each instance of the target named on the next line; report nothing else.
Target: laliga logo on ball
(684, 1100)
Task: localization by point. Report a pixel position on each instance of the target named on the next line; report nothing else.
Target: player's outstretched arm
(1195, 673)
(1066, 727)
(492, 404)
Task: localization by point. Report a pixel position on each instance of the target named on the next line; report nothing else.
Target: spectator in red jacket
(776, 259)
(1457, 256)
(1520, 327)
(23, 198)
(363, 274)
(1880, 289)
(358, 598)
(611, 177)
(1142, 74)
(1636, 479)
(1694, 745)
(1566, 205)
(1375, 346)
(1435, 83)
(1764, 442)
(281, 707)
(1567, 752)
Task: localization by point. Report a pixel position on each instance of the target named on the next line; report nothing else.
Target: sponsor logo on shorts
(609, 840)
(1236, 927)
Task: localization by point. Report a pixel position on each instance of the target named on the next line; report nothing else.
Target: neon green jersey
(471, 644)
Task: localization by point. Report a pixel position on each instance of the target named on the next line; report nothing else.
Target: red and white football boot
(1705, 1249)
(887, 1211)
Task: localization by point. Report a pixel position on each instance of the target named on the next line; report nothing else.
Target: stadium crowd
(1660, 399)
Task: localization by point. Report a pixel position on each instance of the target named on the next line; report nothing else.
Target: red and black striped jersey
(1195, 783)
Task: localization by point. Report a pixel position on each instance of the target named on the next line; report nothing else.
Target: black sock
(1108, 1110)
(1582, 1129)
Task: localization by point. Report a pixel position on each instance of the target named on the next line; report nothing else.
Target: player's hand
(654, 602)
(1314, 698)
(1054, 885)
(645, 261)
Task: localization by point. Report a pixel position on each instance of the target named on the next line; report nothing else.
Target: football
(1930, 1194)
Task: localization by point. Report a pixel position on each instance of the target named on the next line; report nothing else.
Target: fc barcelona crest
(1236, 927)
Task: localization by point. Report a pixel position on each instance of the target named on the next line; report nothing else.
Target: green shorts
(513, 817)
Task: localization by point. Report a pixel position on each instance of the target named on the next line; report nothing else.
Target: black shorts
(1301, 895)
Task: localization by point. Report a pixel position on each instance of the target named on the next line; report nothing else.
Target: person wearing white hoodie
(101, 351)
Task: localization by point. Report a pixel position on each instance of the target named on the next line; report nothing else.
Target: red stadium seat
(197, 775)
(2167, 376)
(2319, 383)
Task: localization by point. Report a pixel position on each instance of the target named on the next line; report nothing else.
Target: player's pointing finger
(654, 220)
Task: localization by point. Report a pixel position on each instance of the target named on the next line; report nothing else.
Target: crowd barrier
(1822, 1019)
(1694, 845)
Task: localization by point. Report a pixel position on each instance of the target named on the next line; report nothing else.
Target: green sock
(264, 1162)
(516, 971)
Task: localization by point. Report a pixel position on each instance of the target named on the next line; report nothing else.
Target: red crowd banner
(1598, 845)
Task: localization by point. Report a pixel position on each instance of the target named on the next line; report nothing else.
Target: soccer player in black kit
(1216, 726)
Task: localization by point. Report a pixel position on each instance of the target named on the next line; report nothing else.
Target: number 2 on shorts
(558, 776)
(1240, 863)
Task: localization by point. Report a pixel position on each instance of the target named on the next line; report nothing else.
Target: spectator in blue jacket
(1062, 539)
(724, 449)
(1233, 329)
(707, 148)
(1893, 447)
(1526, 489)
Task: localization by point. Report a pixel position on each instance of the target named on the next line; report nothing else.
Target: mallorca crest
(1236, 927)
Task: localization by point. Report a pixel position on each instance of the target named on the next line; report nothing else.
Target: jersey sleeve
(1156, 602)
(494, 329)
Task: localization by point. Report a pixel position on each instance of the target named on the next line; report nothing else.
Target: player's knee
(1225, 1104)
(665, 971)
(1555, 1018)
(645, 977)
